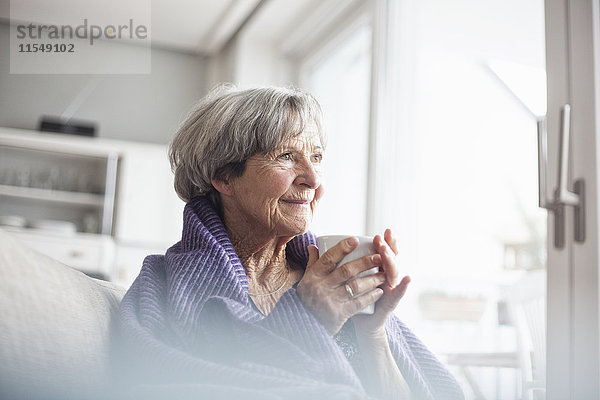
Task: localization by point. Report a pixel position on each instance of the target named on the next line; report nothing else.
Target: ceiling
(196, 26)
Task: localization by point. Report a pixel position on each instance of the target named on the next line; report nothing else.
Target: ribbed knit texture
(189, 330)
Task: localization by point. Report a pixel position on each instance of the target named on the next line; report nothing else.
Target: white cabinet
(95, 204)
(45, 178)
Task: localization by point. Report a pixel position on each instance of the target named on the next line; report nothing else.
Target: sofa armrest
(55, 325)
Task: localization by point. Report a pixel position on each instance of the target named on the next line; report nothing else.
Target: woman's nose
(308, 175)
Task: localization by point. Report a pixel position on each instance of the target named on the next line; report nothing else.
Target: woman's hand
(372, 327)
(323, 287)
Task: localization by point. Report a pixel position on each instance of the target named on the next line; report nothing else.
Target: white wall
(145, 108)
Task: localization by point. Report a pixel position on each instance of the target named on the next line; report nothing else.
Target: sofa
(56, 327)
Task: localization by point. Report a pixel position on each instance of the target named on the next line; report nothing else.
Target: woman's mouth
(297, 203)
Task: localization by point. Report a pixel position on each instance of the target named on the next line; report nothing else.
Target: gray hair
(230, 125)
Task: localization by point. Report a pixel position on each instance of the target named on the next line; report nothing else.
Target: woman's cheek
(319, 193)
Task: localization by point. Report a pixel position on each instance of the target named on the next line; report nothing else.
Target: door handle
(562, 195)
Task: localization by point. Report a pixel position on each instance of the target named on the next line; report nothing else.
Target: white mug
(365, 248)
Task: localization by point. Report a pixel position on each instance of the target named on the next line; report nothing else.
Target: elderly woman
(243, 306)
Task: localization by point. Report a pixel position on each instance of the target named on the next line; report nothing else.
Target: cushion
(55, 326)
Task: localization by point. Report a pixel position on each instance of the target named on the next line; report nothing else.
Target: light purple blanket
(189, 330)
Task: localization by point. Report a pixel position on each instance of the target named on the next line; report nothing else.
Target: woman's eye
(317, 158)
(285, 156)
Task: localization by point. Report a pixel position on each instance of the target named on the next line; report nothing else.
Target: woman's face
(278, 192)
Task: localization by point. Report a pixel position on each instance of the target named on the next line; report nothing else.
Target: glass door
(468, 99)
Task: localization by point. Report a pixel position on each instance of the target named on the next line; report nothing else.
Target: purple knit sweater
(189, 329)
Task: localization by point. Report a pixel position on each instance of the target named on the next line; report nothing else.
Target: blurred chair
(528, 300)
(526, 311)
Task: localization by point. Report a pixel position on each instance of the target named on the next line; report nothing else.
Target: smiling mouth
(297, 202)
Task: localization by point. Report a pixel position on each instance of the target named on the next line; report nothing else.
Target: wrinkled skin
(322, 287)
(273, 201)
(276, 196)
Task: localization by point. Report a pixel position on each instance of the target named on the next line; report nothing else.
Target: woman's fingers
(329, 260)
(359, 303)
(358, 286)
(373, 325)
(334, 295)
(388, 257)
(393, 297)
(313, 255)
(349, 270)
(317, 293)
(391, 240)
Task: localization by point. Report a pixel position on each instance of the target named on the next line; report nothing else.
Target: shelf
(58, 196)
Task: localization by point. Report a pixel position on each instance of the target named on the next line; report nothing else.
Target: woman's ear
(222, 186)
